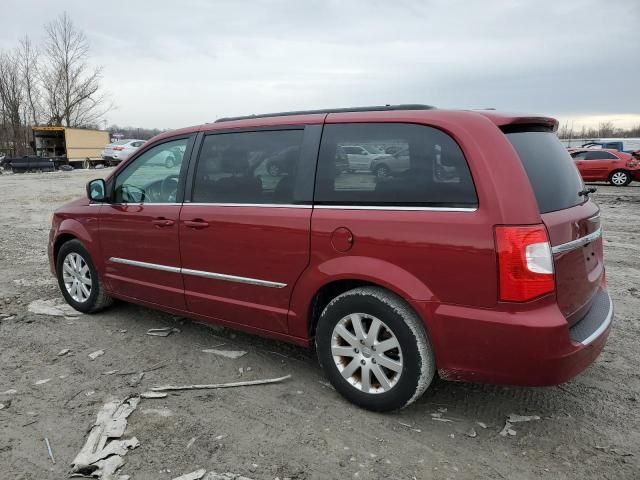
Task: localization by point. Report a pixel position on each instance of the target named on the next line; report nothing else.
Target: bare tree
(72, 91)
(28, 58)
(12, 100)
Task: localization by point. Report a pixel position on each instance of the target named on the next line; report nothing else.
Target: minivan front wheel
(620, 178)
(78, 279)
(374, 349)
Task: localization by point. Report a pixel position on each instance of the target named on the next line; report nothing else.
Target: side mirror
(97, 190)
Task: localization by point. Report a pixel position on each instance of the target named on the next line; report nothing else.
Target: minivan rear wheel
(619, 178)
(78, 279)
(374, 349)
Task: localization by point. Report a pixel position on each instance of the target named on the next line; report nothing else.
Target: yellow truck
(80, 147)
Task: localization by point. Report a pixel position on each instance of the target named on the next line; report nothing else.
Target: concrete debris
(161, 412)
(11, 391)
(53, 460)
(135, 380)
(63, 352)
(233, 354)
(247, 383)
(471, 433)
(54, 307)
(153, 395)
(162, 332)
(224, 476)
(507, 430)
(617, 451)
(513, 418)
(197, 475)
(43, 381)
(410, 427)
(96, 354)
(101, 455)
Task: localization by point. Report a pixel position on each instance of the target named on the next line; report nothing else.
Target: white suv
(121, 150)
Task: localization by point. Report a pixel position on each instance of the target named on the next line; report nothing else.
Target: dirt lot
(589, 428)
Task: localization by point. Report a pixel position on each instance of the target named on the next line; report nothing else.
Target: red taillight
(525, 262)
(118, 148)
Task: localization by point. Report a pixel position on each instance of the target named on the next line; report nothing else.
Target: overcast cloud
(170, 64)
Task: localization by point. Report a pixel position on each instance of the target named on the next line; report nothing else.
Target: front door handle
(196, 223)
(162, 222)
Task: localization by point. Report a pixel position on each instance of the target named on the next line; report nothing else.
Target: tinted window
(153, 176)
(579, 155)
(600, 156)
(553, 175)
(248, 167)
(428, 168)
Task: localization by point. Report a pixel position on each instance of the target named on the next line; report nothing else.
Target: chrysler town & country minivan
(491, 273)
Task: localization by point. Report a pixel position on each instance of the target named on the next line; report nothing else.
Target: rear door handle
(196, 223)
(162, 222)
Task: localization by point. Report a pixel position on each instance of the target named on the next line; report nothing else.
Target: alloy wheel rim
(367, 353)
(76, 276)
(619, 178)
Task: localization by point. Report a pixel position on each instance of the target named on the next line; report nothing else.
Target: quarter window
(248, 167)
(154, 176)
(426, 168)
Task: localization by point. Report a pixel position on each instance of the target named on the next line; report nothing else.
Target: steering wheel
(169, 187)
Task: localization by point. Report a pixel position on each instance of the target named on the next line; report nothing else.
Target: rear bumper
(533, 347)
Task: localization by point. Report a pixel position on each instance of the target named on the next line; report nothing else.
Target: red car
(606, 165)
(491, 273)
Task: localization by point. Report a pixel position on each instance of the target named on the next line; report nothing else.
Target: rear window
(553, 175)
(428, 169)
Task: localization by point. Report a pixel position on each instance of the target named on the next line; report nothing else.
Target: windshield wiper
(587, 191)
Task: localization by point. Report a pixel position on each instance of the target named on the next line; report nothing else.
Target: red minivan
(481, 259)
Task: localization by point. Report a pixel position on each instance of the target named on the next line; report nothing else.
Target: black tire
(619, 173)
(98, 299)
(382, 171)
(418, 363)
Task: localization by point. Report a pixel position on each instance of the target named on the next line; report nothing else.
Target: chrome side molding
(565, 247)
(199, 273)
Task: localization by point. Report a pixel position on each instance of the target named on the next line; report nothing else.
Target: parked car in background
(606, 165)
(120, 150)
(386, 165)
(361, 156)
(492, 274)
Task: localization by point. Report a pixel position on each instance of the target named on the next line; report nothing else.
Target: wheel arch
(338, 275)
(72, 229)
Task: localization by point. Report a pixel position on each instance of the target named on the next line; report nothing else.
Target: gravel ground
(589, 428)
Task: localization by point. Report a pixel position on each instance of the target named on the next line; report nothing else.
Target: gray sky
(175, 63)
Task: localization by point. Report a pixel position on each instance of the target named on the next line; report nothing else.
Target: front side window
(426, 168)
(154, 176)
(248, 167)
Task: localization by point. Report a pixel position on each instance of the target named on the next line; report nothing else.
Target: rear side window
(427, 167)
(554, 177)
(248, 167)
(600, 156)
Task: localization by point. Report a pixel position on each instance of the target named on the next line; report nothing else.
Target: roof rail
(377, 108)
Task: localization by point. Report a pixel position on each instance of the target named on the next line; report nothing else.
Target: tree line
(603, 130)
(51, 83)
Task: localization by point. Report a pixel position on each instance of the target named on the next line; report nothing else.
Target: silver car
(121, 150)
